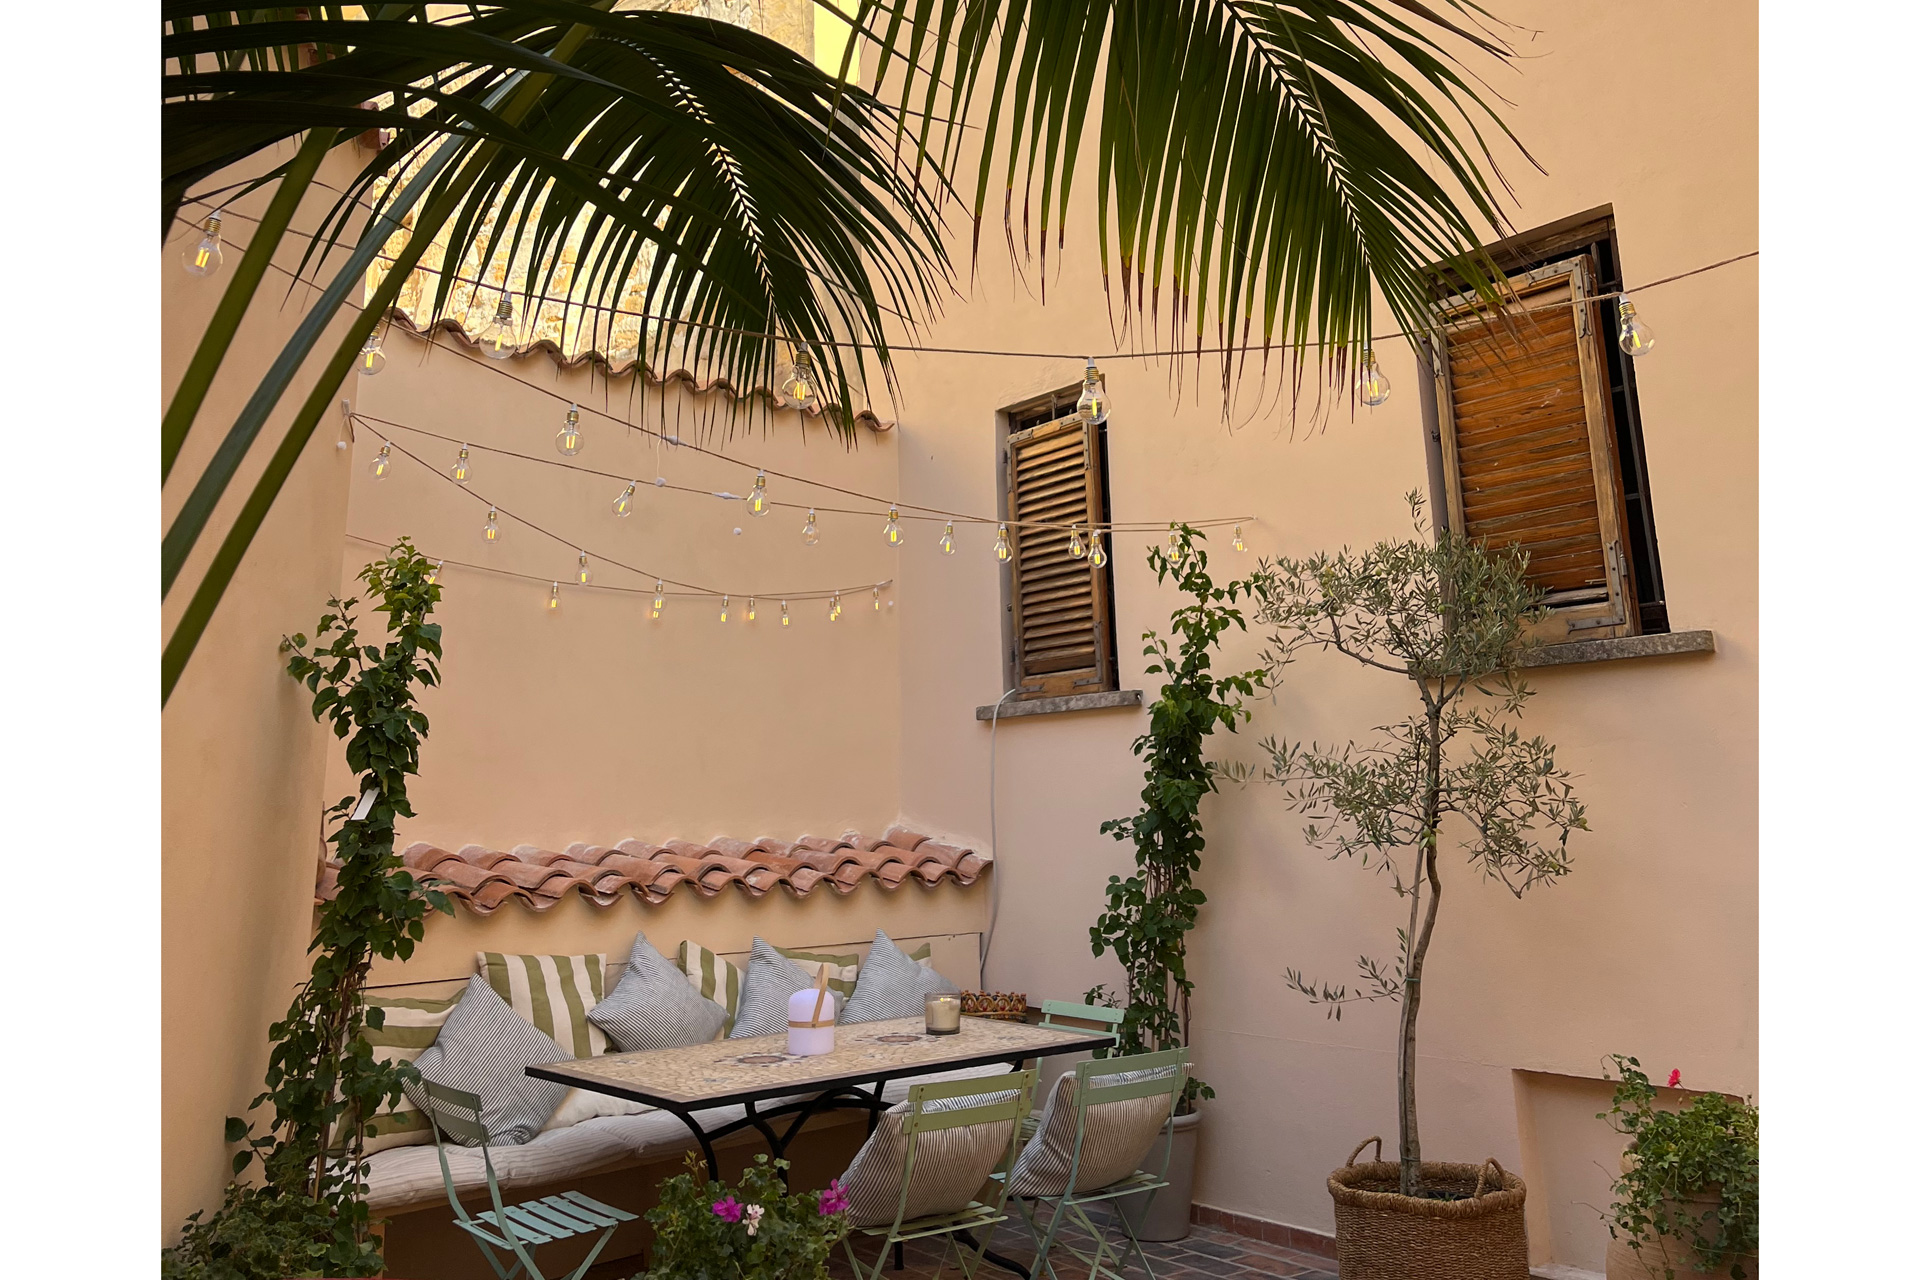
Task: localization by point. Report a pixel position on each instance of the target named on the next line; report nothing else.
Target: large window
(1539, 432)
(1059, 605)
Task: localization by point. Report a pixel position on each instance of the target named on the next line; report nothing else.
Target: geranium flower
(728, 1210)
(833, 1199)
(1673, 1081)
(754, 1214)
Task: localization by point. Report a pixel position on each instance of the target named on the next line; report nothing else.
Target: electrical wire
(993, 834)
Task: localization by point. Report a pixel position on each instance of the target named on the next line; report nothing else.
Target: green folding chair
(1098, 1128)
(939, 1179)
(1065, 1015)
(517, 1229)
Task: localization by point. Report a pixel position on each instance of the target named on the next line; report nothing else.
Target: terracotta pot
(1170, 1216)
(1383, 1235)
(1651, 1261)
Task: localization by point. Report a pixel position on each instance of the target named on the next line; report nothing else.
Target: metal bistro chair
(921, 1171)
(1099, 1125)
(1065, 1015)
(517, 1229)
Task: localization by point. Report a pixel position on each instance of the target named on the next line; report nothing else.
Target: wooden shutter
(1061, 635)
(1527, 441)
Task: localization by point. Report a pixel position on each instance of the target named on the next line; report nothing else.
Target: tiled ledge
(1051, 706)
(1660, 646)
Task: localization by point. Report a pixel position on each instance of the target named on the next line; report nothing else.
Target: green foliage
(1712, 1143)
(1149, 913)
(1451, 617)
(705, 1230)
(321, 1076)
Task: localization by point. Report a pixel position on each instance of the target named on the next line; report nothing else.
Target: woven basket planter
(1383, 1235)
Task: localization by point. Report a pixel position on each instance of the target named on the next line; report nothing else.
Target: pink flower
(754, 1214)
(728, 1209)
(833, 1199)
(1673, 1081)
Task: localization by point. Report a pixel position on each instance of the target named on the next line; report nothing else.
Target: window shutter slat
(1060, 603)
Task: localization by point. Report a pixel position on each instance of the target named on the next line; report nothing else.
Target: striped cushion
(485, 1049)
(949, 1165)
(892, 984)
(771, 978)
(554, 993)
(718, 979)
(1119, 1135)
(843, 971)
(652, 1007)
(922, 955)
(410, 1025)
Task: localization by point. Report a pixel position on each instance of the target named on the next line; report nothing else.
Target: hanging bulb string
(687, 588)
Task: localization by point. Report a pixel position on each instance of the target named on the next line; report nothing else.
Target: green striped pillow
(410, 1026)
(554, 993)
(843, 971)
(922, 955)
(714, 977)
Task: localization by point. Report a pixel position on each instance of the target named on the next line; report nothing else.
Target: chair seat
(974, 1215)
(536, 1222)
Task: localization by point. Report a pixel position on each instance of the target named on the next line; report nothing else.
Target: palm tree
(1262, 166)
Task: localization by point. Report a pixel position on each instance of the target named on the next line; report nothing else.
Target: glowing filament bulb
(203, 259)
(492, 532)
(499, 339)
(1075, 547)
(876, 599)
(553, 598)
(372, 359)
(892, 532)
(1635, 338)
(757, 504)
(946, 540)
(797, 383)
(382, 462)
(659, 597)
(567, 441)
(1002, 549)
(1092, 405)
(1176, 550)
(623, 505)
(810, 531)
(833, 608)
(1374, 388)
(1097, 554)
(433, 574)
(1239, 542)
(751, 611)
(725, 602)
(584, 574)
(460, 467)
(785, 621)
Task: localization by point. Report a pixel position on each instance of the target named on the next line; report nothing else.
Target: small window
(1539, 433)
(1060, 606)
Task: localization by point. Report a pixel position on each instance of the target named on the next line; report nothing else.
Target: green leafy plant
(758, 1230)
(1711, 1144)
(1149, 914)
(1450, 616)
(309, 1216)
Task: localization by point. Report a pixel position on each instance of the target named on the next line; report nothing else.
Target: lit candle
(810, 1016)
(943, 1015)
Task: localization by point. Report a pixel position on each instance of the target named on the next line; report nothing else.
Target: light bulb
(1075, 547)
(553, 600)
(623, 505)
(946, 540)
(203, 259)
(785, 621)
(659, 597)
(833, 608)
(1176, 549)
(460, 468)
(1097, 555)
(1635, 338)
(757, 504)
(372, 358)
(1002, 549)
(876, 599)
(1374, 388)
(797, 383)
(568, 441)
(751, 611)
(1239, 542)
(1092, 404)
(584, 574)
(892, 532)
(382, 462)
(810, 531)
(492, 532)
(499, 339)
(725, 601)
(433, 574)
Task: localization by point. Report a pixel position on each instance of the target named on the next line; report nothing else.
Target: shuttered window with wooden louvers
(1061, 604)
(1527, 443)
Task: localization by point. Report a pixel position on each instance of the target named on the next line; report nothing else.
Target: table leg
(706, 1143)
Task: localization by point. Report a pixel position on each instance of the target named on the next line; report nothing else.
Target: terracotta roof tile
(480, 879)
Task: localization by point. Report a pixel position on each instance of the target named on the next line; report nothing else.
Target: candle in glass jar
(943, 1015)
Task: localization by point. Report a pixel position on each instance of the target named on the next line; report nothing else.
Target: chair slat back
(1092, 1089)
(1005, 1097)
(457, 1112)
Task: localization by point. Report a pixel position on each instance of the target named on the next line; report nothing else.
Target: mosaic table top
(730, 1070)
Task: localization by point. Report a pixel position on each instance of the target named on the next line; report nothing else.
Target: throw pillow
(409, 1026)
(1118, 1137)
(554, 993)
(843, 971)
(653, 1007)
(717, 979)
(485, 1048)
(771, 978)
(892, 985)
(949, 1166)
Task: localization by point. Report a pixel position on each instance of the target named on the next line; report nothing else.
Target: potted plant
(1450, 616)
(707, 1230)
(1688, 1204)
(1149, 913)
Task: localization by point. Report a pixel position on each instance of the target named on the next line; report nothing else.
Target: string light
(382, 462)
(1177, 550)
(892, 532)
(946, 540)
(500, 339)
(797, 383)
(1374, 388)
(751, 611)
(659, 596)
(1239, 542)
(833, 608)
(1092, 404)
(785, 621)
(1635, 338)
(1002, 549)
(725, 601)
(553, 599)
(623, 505)
(433, 574)
(1097, 557)
(810, 531)
(584, 575)
(461, 469)
(203, 259)
(568, 440)
(876, 599)
(372, 358)
(757, 504)
(1075, 547)
(492, 532)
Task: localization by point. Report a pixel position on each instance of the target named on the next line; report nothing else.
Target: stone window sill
(1013, 707)
(1660, 646)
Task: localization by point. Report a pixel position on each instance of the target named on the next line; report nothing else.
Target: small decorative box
(1008, 1006)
